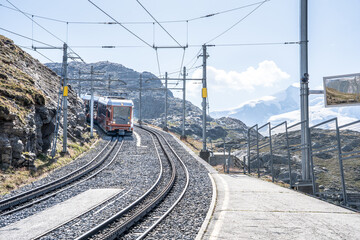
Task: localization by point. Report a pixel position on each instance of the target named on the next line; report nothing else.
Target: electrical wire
(158, 62)
(158, 22)
(32, 49)
(249, 44)
(120, 24)
(35, 22)
(78, 56)
(242, 19)
(182, 62)
(17, 34)
(141, 22)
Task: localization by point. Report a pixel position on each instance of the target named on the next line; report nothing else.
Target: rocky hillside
(153, 106)
(28, 98)
(152, 100)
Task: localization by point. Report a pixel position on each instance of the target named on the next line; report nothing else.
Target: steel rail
(114, 233)
(178, 199)
(63, 189)
(91, 176)
(53, 185)
(103, 225)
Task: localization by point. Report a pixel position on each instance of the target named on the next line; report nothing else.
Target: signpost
(342, 90)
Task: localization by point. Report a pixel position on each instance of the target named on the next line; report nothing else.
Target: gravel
(134, 170)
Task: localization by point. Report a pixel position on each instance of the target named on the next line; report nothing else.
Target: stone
(17, 148)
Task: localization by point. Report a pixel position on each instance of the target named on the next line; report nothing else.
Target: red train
(114, 115)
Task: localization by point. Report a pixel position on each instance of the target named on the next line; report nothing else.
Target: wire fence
(334, 157)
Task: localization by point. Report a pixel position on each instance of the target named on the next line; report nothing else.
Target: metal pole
(65, 93)
(204, 96)
(166, 100)
(184, 93)
(248, 151)
(304, 91)
(257, 150)
(58, 112)
(228, 162)
(109, 83)
(92, 104)
(79, 85)
(343, 186)
(140, 98)
(224, 156)
(271, 154)
(288, 154)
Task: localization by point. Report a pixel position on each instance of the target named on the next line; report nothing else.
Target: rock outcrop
(28, 100)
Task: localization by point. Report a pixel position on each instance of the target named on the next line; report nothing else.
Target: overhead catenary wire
(158, 22)
(31, 19)
(139, 22)
(120, 24)
(158, 62)
(78, 56)
(32, 49)
(242, 19)
(29, 38)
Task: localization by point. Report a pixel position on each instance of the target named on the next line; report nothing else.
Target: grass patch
(12, 179)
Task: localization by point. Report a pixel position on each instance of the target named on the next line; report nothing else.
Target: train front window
(121, 115)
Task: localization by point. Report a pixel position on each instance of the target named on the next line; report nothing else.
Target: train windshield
(121, 115)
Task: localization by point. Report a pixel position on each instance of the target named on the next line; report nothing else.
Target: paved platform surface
(37, 224)
(249, 208)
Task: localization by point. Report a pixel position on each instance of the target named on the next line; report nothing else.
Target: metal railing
(334, 162)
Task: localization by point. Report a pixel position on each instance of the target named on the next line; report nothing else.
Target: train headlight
(113, 122)
(128, 122)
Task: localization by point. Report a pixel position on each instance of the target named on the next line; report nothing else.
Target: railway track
(43, 192)
(151, 179)
(123, 220)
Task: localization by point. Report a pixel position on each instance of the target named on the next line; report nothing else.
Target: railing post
(271, 155)
(288, 153)
(341, 163)
(257, 150)
(248, 152)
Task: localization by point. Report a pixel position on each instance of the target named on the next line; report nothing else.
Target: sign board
(343, 90)
(65, 91)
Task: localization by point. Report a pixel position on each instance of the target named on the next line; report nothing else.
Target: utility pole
(92, 103)
(65, 94)
(204, 153)
(140, 89)
(166, 100)
(109, 80)
(79, 84)
(304, 91)
(183, 137)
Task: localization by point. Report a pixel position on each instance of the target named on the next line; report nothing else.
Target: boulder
(17, 148)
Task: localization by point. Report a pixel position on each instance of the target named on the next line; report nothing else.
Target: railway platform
(249, 208)
(245, 207)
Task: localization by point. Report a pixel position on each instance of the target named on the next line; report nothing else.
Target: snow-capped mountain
(284, 106)
(318, 113)
(260, 110)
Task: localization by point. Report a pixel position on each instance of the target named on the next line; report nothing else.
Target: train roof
(88, 97)
(116, 101)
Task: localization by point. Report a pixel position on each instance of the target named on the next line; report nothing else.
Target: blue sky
(236, 74)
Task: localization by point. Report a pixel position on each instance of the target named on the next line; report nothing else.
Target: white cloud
(266, 74)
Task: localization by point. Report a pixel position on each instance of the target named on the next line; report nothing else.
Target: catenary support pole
(204, 95)
(304, 90)
(204, 153)
(58, 109)
(65, 94)
(79, 84)
(166, 102)
(140, 91)
(92, 103)
(183, 105)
